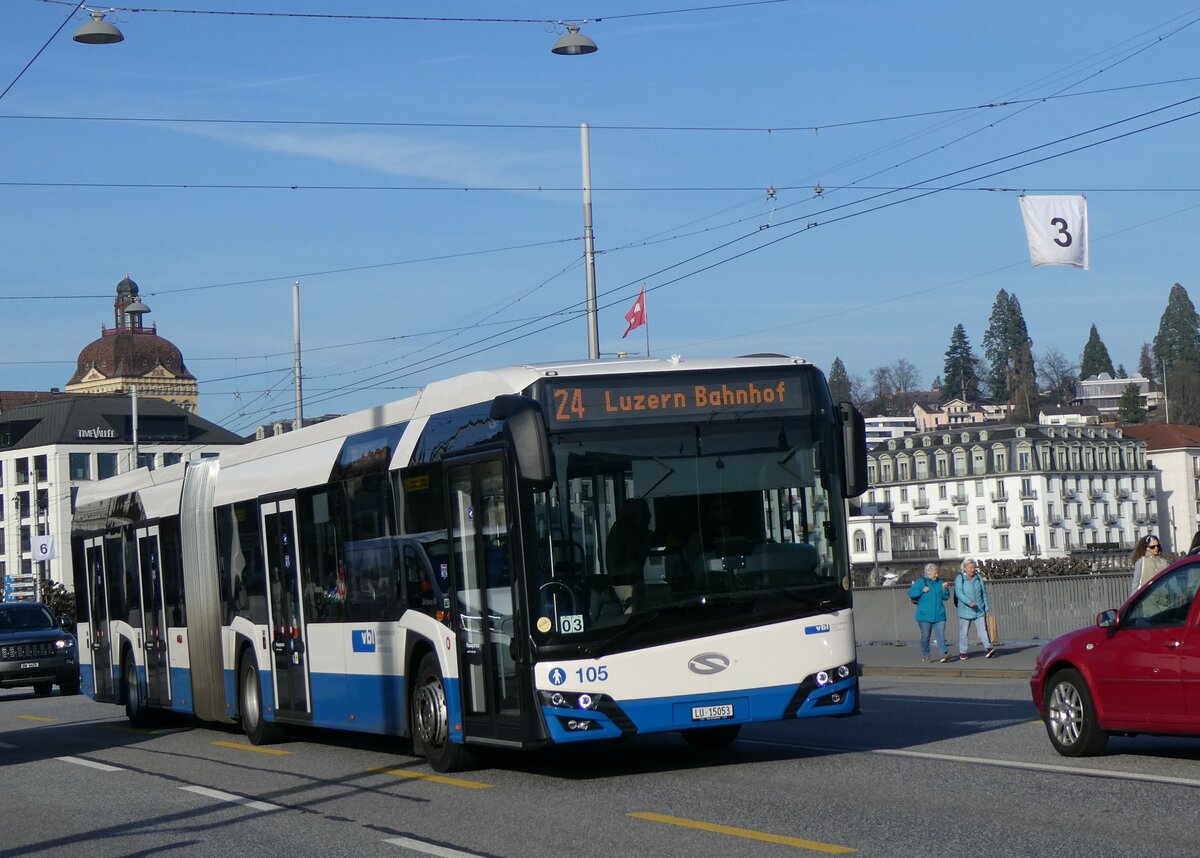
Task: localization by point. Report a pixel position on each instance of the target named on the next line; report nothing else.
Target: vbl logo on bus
(363, 640)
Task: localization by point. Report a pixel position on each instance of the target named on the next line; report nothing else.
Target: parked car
(1137, 670)
(35, 651)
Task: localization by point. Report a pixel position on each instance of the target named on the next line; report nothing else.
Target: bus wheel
(707, 738)
(135, 706)
(430, 720)
(254, 724)
(42, 689)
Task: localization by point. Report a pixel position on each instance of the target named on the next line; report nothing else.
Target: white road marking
(230, 797)
(1000, 764)
(429, 848)
(80, 761)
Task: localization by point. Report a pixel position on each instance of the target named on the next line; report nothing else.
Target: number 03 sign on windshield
(1057, 230)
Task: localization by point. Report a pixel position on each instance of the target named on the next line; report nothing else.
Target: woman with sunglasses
(1147, 560)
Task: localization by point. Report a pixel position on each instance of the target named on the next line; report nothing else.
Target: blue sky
(422, 180)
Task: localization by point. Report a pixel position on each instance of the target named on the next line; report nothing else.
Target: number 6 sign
(1056, 228)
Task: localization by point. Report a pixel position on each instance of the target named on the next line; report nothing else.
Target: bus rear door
(286, 608)
(154, 623)
(484, 595)
(98, 642)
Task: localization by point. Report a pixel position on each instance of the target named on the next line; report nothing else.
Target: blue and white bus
(444, 567)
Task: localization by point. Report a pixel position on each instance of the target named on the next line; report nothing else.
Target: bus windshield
(659, 533)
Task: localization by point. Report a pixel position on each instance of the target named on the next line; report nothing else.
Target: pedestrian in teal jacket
(971, 595)
(929, 595)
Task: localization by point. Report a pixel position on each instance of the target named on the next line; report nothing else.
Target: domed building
(130, 354)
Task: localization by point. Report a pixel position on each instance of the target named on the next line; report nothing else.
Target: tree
(1146, 363)
(961, 367)
(1095, 359)
(937, 384)
(905, 380)
(1023, 399)
(1058, 375)
(1129, 408)
(1121, 371)
(839, 382)
(881, 387)
(1178, 338)
(1005, 335)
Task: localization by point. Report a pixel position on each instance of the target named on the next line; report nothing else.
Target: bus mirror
(854, 450)
(528, 439)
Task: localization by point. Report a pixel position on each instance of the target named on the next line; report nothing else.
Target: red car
(1136, 671)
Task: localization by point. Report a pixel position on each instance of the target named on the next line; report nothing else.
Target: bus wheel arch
(251, 710)
(131, 690)
(429, 716)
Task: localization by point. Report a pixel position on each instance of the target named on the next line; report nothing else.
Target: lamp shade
(99, 32)
(573, 42)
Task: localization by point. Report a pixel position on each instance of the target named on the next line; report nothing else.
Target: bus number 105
(592, 674)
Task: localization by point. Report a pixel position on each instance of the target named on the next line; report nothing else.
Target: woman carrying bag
(970, 595)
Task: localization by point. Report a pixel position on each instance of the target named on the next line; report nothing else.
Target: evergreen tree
(1146, 363)
(839, 382)
(1095, 359)
(1130, 409)
(1023, 402)
(1178, 339)
(1006, 333)
(938, 384)
(1121, 371)
(961, 368)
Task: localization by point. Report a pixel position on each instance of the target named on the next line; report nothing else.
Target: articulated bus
(518, 558)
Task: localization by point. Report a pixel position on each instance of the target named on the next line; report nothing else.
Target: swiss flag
(636, 317)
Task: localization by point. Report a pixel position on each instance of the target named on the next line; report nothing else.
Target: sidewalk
(1012, 661)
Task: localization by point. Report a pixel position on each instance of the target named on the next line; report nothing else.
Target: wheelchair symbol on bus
(558, 676)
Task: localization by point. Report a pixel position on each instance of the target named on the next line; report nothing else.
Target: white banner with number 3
(1057, 230)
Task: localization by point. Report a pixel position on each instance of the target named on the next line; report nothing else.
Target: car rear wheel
(1071, 721)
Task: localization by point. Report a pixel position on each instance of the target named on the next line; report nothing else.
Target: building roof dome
(130, 354)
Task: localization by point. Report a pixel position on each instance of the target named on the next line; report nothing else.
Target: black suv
(34, 650)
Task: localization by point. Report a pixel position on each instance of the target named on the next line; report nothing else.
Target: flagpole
(647, 327)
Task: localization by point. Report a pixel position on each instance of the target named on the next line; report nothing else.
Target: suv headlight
(64, 644)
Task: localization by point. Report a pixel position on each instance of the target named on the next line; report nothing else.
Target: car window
(25, 618)
(1167, 601)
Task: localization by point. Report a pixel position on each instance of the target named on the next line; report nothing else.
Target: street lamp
(99, 32)
(573, 43)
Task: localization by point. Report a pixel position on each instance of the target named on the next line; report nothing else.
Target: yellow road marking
(814, 845)
(242, 746)
(439, 779)
(38, 718)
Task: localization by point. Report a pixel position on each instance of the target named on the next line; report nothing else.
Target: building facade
(1174, 450)
(48, 448)
(1003, 492)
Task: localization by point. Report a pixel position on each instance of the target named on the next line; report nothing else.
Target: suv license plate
(712, 713)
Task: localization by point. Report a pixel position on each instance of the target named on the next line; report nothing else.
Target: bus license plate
(27, 665)
(712, 713)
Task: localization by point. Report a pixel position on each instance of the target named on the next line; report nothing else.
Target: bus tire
(135, 705)
(254, 723)
(429, 716)
(709, 738)
(42, 689)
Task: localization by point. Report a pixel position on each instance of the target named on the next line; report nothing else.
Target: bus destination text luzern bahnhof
(600, 403)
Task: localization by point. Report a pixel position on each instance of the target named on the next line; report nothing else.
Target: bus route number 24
(568, 403)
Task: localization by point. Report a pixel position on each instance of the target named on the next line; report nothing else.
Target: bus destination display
(603, 400)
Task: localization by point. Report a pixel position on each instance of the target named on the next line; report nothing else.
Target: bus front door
(154, 620)
(99, 642)
(286, 608)
(483, 590)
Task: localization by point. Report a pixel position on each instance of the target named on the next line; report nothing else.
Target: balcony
(999, 497)
(1056, 521)
(1150, 495)
(920, 503)
(1001, 523)
(1096, 494)
(913, 554)
(1083, 520)
(1031, 521)
(1123, 494)
(1028, 494)
(959, 500)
